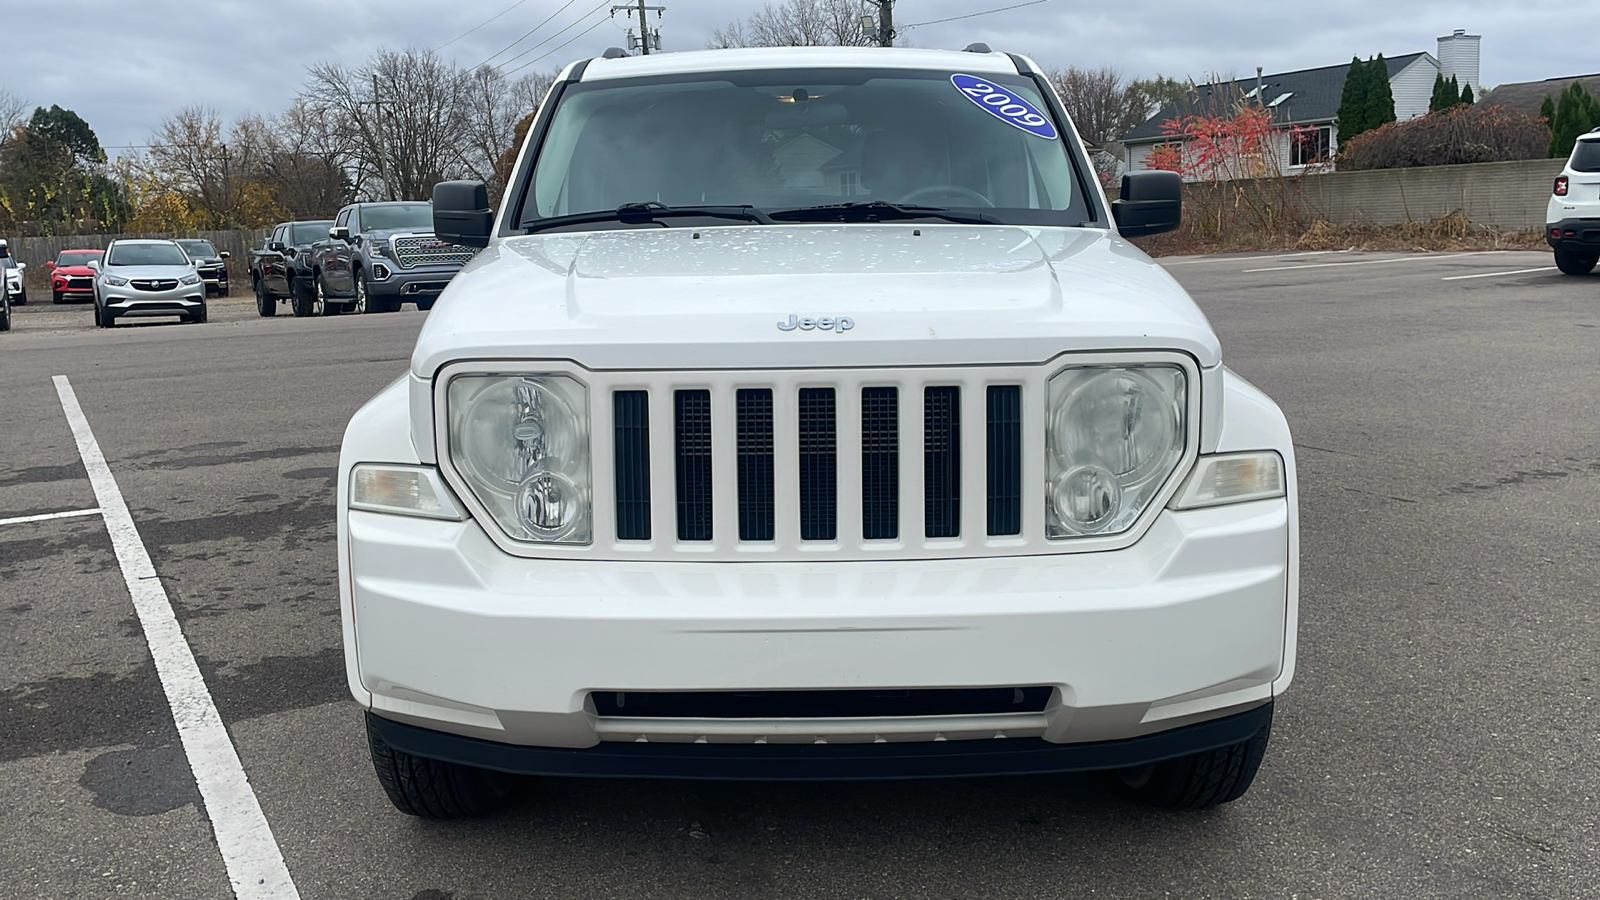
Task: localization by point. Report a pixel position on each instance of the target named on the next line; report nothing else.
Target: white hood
(928, 294)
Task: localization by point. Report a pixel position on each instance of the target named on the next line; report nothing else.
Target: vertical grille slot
(754, 409)
(693, 420)
(941, 461)
(1005, 459)
(631, 416)
(819, 495)
(880, 463)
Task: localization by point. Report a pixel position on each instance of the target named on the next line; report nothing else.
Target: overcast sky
(126, 66)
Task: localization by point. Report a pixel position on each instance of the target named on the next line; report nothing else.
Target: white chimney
(1458, 56)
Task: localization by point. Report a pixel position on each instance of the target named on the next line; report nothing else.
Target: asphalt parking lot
(1440, 738)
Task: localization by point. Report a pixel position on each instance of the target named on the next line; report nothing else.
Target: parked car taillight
(1561, 185)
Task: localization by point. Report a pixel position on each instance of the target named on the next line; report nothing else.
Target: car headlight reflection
(521, 444)
(1116, 435)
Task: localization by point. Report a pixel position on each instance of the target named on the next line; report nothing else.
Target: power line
(479, 25)
(973, 15)
(574, 22)
(573, 38)
(526, 34)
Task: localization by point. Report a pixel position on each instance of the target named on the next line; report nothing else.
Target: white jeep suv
(807, 416)
(1572, 221)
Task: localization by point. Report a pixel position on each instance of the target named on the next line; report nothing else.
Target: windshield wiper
(642, 213)
(878, 211)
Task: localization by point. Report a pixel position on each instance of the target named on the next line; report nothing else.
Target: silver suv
(147, 278)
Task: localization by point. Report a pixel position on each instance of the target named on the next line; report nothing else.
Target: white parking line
(45, 517)
(249, 851)
(1493, 274)
(1302, 254)
(1364, 262)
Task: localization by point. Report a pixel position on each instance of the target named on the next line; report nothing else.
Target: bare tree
(402, 113)
(13, 113)
(496, 107)
(188, 157)
(799, 23)
(1102, 105)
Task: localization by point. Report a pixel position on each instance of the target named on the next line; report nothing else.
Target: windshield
(78, 258)
(397, 215)
(198, 249)
(1586, 156)
(782, 139)
(163, 254)
(309, 232)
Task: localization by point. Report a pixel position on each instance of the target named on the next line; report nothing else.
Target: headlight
(521, 444)
(190, 279)
(116, 281)
(402, 490)
(380, 246)
(1116, 435)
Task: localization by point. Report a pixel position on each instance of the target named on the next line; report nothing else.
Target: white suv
(807, 416)
(1572, 221)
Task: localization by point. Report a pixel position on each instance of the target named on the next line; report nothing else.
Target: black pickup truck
(380, 255)
(282, 268)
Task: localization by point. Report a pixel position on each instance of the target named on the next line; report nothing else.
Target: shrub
(1461, 134)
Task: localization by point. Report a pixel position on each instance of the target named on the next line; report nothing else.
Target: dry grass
(1451, 232)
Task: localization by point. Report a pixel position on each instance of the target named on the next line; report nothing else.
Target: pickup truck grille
(411, 251)
(809, 450)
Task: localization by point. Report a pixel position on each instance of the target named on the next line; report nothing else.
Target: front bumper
(181, 301)
(452, 635)
(1575, 235)
(421, 283)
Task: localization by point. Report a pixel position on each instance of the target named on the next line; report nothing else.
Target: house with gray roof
(1304, 104)
(1528, 96)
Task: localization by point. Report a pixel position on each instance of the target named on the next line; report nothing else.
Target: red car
(70, 275)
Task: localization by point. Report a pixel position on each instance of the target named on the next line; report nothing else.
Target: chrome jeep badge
(837, 325)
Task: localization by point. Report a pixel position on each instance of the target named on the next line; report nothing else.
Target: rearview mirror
(461, 213)
(1151, 203)
(275, 246)
(94, 264)
(339, 233)
(224, 254)
(50, 264)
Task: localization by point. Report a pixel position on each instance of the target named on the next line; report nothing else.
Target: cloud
(125, 67)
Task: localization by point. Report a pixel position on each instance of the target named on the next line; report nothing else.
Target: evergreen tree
(1466, 96)
(1380, 96)
(1576, 113)
(1454, 91)
(1547, 110)
(1353, 102)
(1441, 88)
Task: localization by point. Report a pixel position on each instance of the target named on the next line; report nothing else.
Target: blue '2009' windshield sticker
(1005, 106)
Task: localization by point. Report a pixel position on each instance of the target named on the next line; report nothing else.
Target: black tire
(5, 314)
(20, 299)
(266, 306)
(222, 289)
(302, 298)
(103, 317)
(198, 318)
(425, 305)
(431, 789)
(1200, 780)
(1574, 263)
(321, 306)
(56, 298)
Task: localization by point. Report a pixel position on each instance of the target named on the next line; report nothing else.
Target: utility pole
(647, 38)
(377, 139)
(884, 26)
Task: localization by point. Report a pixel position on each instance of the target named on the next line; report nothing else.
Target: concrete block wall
(1502, 195)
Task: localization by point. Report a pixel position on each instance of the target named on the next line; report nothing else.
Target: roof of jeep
(744, 59)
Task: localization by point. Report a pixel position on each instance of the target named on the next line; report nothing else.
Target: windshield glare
(77, 259)
(786, 139)
(399, 215)
(167, 254)
(198, 249)
(309, 232)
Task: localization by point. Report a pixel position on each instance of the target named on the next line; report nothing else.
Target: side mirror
(275, 246)
(21, 266)
(1151, 203)
(461, 213)
(340, 233)
(50, 264)
(224, 254)
(94, 264)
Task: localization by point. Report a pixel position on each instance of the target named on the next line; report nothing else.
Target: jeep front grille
(411, 251)
(812, 456)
